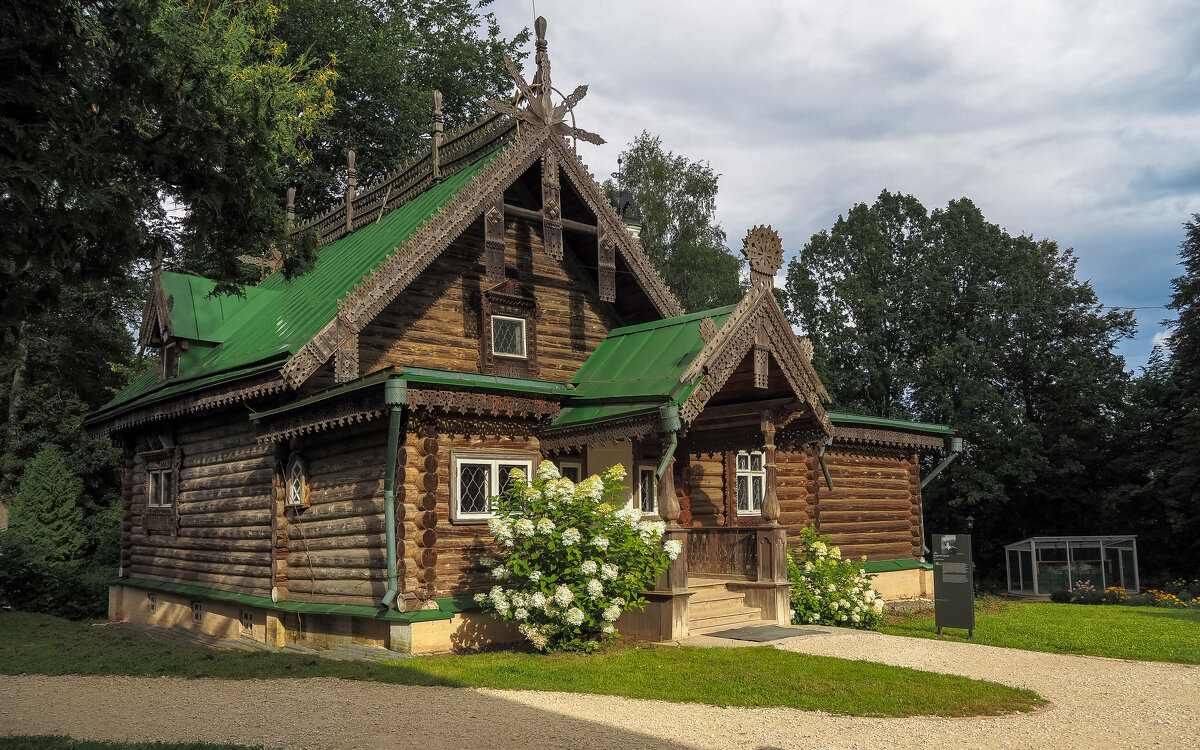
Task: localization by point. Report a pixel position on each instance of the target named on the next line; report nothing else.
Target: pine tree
(44, 507)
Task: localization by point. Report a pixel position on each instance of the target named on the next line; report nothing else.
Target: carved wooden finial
(351, 184)
(708, 330)
(436, 145)
(763, 248)
(539, 109)
(291, 208)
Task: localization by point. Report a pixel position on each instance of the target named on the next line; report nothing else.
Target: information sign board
(953, 583)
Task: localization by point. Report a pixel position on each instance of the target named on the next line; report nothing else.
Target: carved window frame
(749, 474)
(493, 460)
(508, 300)
(642, 472)
(296, 482)
(161, 512)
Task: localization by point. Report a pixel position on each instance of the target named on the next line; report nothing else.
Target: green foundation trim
(888, 566)
(446, 607)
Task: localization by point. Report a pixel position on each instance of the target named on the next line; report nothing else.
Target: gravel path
(1098, 703)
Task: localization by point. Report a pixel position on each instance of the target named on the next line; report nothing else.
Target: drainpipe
(669, 415)
(824, 467)
(394, 396)
(955, 445)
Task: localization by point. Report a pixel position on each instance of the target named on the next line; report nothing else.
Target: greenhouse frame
(1063, 561)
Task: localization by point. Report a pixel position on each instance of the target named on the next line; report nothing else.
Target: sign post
(953, 583)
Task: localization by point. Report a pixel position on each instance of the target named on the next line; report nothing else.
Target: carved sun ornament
(538, 96)
(708, 330)
(763, 248)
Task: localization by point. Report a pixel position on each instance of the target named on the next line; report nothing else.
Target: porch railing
(723, 551)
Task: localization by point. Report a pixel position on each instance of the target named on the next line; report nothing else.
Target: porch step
(713, 607)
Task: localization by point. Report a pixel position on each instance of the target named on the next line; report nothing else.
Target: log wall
(224, 510)
(706, 488)
(437, 321)
(335, 549)
(874, 507)
(449, 552)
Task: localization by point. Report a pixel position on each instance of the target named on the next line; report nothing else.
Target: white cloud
(1077, 121)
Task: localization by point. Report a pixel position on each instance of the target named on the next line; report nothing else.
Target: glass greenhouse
(1042, 564)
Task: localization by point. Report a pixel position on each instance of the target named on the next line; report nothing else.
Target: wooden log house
(312, 461)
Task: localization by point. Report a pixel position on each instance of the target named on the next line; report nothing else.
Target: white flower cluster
(588, 567)
(563, 595)
(523, 527)
(595, 588)
(502, 530)
(609, 572)
(571, 536)
(545, 526)
(673, 547)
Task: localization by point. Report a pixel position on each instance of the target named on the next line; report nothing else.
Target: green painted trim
(498, 382)
(900, 424)
(364, 382)
(288, 605)
(888, 566)
(457, 604)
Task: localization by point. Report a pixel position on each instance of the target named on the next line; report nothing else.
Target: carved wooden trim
(325, 415)
(159, 519)
(493, 242)
(509, 299)
(606, 265)
(851, 438)
(552, 226)
(757, 312)
(614, 431)
(607, 220)
(345, 364)
(209, 398)
(482, 404)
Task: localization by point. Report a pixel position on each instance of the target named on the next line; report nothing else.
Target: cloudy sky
(1074, 121)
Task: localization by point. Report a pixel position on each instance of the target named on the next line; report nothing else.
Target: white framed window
(478, 477)
(295, 482)
(153, 599)
(751, 482)
(247, 622)
(197, 611)
(647, 489)
(572, 470)
(508, 336)
(160, 491)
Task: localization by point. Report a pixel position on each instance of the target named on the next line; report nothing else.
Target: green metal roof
(895, 424)
(637, 368)
(280, 316)
(199, 315)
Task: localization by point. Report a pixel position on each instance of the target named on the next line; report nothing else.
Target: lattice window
(295, 482)
(478, 479)
(647, 490)
(751, 482)
(508, 336)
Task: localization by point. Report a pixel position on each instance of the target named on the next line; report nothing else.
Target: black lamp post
(970, 524)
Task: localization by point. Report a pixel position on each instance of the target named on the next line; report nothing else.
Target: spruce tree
(44, 509)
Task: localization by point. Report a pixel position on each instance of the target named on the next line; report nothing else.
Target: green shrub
(1062, 596)
(828, 590)
(570, 562)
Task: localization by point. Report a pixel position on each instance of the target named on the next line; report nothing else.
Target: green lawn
(56, 742)
(1143, 633)
(763, 676)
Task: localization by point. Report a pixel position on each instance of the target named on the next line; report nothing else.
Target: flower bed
(1178, 593)
(828, 590)
(572, 560)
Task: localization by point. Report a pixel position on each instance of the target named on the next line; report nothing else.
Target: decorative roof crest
(539, 109)
(763, 248)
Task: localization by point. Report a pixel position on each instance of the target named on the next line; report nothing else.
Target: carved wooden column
(552, 239)
(493, 242)
(770, 505)
(772, 537)
(762, 358)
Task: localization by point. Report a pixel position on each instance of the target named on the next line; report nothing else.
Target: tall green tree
(677, 200)
(114, 109)
(391, 56)
(945, 317)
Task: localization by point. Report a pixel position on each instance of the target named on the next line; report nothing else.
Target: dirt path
(1098, 703)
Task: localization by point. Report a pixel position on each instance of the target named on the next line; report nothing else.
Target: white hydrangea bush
(828, 590)
(572, 559)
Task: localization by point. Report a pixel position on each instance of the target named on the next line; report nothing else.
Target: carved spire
(539, 109)
(763, 248)
(351, 186)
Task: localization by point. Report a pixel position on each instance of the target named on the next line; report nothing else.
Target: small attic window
(168, 360)
(508, 336)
